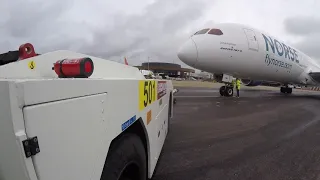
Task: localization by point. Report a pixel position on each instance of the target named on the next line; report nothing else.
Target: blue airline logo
(281, 48)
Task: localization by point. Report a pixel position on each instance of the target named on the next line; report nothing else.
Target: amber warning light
(74, 68)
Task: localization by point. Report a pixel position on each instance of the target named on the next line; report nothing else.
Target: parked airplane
(233, 50)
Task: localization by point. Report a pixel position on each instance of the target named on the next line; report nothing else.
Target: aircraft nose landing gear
(226, 91)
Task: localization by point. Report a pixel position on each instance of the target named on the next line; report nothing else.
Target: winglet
(125, 61)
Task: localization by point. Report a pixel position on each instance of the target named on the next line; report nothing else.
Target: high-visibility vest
(234, 83)
(238, 84)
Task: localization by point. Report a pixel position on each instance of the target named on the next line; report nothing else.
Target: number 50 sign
(147, 93)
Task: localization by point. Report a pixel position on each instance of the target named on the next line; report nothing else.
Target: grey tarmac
(262, 135)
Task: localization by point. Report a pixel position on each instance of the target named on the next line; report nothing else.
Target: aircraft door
(252, 39)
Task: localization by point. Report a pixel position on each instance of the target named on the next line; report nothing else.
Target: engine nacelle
(248, 82)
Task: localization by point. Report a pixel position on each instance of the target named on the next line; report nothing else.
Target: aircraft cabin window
(215, 32)
(203, 31)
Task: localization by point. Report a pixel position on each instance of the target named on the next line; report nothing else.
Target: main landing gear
(226, 90)
(286, 90)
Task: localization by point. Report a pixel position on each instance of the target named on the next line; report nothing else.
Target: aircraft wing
(315, 76)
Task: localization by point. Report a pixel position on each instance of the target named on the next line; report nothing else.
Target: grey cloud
(310, 45)
(29, 21)
(38, 22)
(302, 25)
(309, 29)
(155, 32)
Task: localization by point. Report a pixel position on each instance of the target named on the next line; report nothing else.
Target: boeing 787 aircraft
(233, 50)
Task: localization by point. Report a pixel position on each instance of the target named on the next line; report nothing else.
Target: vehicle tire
(222, 89)
(286, 90)
(126, 160)
(229, 92)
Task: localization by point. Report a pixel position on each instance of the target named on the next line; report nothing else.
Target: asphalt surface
(262, 135)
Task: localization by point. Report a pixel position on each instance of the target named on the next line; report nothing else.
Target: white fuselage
(245, 52)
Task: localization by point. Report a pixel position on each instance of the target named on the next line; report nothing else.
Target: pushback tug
(66, 115)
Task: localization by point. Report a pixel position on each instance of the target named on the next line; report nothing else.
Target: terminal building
(166, 69)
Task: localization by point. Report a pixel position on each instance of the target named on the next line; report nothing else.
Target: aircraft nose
(188, 53)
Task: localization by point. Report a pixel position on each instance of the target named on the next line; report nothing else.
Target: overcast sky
(156, 28)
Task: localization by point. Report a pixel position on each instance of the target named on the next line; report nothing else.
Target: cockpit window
(203, 31)
(215, 32)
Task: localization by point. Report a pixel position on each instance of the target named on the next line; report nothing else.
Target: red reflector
(74, 68)
(26, 51)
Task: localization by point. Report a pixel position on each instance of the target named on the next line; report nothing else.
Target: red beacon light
(26, 51)
(74, 68)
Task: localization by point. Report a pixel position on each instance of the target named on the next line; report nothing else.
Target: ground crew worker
(238, 87)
